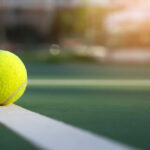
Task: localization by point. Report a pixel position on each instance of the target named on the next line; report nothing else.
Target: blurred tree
(85, 22)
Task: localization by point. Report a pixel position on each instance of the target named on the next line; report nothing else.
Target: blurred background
(101, 31)
(88, 63)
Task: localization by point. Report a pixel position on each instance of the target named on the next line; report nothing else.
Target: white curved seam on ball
(14, 93)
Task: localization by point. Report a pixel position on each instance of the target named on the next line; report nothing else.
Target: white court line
(86, 82)
(49, 134)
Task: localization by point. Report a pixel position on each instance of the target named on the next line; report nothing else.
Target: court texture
(80, 106)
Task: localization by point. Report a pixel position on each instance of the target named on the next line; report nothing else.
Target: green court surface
(119, 114)
(88, 71)
(11, 141)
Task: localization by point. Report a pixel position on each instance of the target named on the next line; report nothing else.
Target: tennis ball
(13, 78)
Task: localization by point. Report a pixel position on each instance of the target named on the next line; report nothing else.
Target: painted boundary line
(96, 82)
(49, 134)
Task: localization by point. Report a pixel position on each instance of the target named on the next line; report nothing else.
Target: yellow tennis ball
(13, 77)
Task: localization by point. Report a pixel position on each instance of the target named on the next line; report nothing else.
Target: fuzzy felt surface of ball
(13, 77)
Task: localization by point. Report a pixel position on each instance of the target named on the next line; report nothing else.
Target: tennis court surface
(80, 107)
